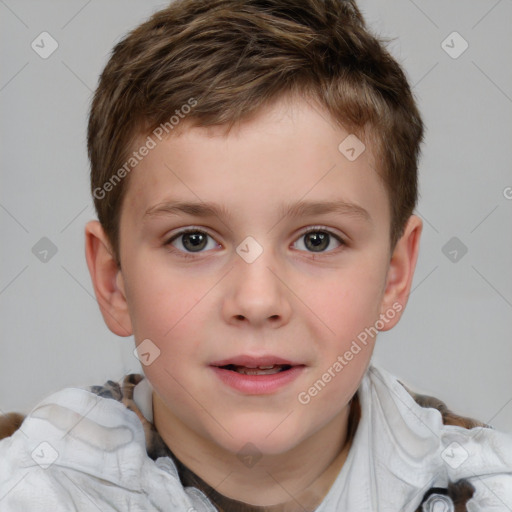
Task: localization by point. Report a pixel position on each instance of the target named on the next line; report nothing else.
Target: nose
(256, 293)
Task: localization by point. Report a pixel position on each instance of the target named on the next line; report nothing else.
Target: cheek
(158, 298)
(350, 308)
(170, 309)
(167, 312)
(351, 302)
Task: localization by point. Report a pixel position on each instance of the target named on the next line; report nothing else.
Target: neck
(296, 480)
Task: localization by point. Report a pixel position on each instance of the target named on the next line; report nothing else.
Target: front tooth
(258, 371)
(266, 367)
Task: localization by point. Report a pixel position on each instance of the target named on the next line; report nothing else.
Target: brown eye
(190, 241)
(194, 241)
(317, 240)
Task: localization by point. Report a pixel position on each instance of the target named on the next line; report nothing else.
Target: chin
(261, 436)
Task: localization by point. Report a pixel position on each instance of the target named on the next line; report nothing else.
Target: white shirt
(77, 451)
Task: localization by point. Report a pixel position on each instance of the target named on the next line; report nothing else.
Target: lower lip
(258, 384)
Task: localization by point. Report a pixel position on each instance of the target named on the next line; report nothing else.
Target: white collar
(400, 449)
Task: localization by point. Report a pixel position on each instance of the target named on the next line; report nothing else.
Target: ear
(107, 280)
(401, 272)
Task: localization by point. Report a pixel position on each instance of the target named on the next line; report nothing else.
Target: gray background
(454, 339)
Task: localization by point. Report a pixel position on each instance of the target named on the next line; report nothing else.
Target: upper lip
(251, 361)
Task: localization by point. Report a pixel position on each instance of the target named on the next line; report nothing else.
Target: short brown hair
(233, 57)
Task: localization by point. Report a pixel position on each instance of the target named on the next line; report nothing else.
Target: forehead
(290, 151)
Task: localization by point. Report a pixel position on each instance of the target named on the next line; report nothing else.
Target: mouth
(257, 375)
(257, 370)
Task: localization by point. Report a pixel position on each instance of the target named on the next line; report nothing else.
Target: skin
(292, 301)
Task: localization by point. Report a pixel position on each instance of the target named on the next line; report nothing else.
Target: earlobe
(107, 280)
(401, 271)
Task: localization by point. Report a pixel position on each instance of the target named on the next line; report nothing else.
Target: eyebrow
(305, 208)
(298, 209)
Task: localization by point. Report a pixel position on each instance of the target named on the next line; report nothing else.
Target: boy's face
(248, 283)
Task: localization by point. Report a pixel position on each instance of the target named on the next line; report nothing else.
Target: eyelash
(314, 229)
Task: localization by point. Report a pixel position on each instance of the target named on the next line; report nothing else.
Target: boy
(253, 166)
